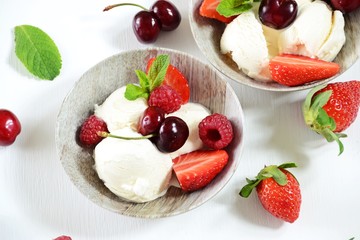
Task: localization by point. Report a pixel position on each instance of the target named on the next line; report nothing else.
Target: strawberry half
(278, 191)
(176, 80)
(331, 109)
(208, 9)
(197, 169)
(294, 70)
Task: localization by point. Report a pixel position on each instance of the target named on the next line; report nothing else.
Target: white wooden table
(38, 201)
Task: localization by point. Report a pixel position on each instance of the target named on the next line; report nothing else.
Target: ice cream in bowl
(277, 45)
(150, 133)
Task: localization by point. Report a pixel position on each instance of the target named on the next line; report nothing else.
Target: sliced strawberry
(294, 70)
(197, 169)
(208, 9)
(175, 79)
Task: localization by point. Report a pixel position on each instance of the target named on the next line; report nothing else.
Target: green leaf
(288, 165)
(133, 92)
(230, 8)
(143, 79)
(37, 51)
(157, 71)
(247, 189)
(148, 82)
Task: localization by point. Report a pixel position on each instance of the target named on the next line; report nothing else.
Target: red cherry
(168, 14)
(10, 127)
(345, 6)
(277, 14)
(146, 26)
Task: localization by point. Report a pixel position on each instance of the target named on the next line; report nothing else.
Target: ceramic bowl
(207, 87)
(207, 34)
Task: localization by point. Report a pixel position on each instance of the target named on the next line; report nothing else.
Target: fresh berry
(172, 135)
(278, 191)
(150, 120)
(216, 131)
(208, 9)
(345, 6)
(146, 26)
(63, 238)
(90, 131)
(10, 127)
(278, 14)
(166, 98)
(175, 79)
(294, 70)
(331, 109)
(148, 23)
(197, 169)
(168, 14)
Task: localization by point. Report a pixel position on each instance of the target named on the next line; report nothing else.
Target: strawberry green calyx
(271, 171)
(148, 82)
(317, 118)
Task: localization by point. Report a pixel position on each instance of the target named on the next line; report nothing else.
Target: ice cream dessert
(147, 137)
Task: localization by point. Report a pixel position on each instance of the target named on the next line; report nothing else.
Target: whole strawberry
(89, 132)
(278, 191)
(331, 109)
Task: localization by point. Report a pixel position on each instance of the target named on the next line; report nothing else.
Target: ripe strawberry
(175, 79)
(63, 238)
(331, 109)
(197, 169)
(208, 9)
(166, 98)
(216, 131)
(89, 131)
(278, 191)
(294, 70)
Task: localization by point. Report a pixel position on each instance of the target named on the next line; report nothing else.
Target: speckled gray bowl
(207, 87)
(207, 33)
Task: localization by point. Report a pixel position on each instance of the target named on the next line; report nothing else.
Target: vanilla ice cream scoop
(134, 170)
(243, 39)
(192, 114)
(316, 32)
(118, 112)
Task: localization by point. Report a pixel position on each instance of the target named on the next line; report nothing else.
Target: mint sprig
(37, 51)
(148, 82)
(230, 8)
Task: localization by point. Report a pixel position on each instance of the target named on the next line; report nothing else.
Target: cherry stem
(106, 134)
(123, 4)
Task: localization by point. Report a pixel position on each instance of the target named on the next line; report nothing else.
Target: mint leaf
(230, 8)
(37, 51)
(148, 82)
(158, 70)
(133, 92)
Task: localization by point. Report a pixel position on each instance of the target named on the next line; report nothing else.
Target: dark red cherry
(146, 26)
(345, 6)
(151, 120)
(168, 14)
(277, 14)
(10, 127)
(173, 133)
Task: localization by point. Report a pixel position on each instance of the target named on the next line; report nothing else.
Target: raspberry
(166, 98)
(89, 131)
(63, 238)
(216, 131)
